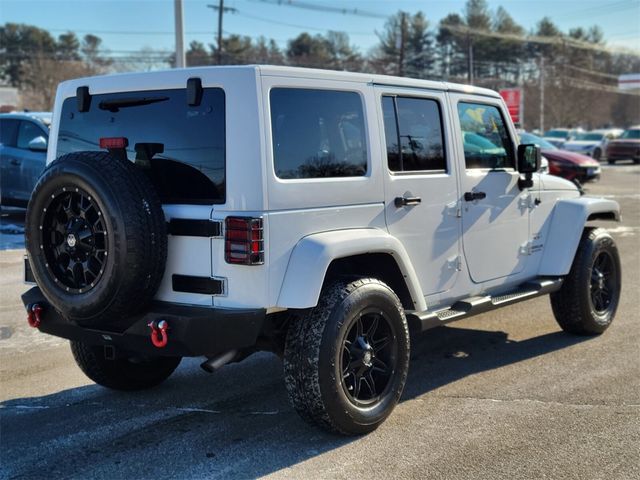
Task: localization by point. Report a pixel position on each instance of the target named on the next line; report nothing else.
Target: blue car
(23, 152)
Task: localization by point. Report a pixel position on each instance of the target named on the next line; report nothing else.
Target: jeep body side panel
(418, 123)
(566, 225)
(313, 254)
(299, 207)
(327, 191)
(495, 225)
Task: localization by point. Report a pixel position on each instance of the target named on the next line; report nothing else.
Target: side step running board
(471, 306)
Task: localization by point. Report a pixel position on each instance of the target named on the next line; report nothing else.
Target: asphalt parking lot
(501, 395)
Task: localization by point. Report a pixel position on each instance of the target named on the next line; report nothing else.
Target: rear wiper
(117, 104)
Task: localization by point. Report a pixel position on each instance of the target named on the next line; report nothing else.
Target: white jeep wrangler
(320, 215)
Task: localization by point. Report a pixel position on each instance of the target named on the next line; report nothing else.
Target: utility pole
(469, 58)
(221, 9)
(541, 95)
(180, 58)
(402, 46)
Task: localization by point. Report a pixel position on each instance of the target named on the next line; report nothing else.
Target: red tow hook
(159, 336)
(33, 315)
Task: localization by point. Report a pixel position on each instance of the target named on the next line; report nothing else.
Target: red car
(562, 163)
(627, 146)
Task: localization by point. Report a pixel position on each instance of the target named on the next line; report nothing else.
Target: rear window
(180, 147)
(317, 133)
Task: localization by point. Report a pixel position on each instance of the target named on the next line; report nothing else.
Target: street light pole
(541, 95)
(180, 57)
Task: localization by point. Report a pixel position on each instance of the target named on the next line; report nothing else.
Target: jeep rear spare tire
(96, 238)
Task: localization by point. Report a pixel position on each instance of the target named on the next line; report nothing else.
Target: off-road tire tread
(568, 304)
(119, 374)
(302, 352)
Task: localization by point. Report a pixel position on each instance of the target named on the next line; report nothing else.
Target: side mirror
(529, 159)
(38, 144)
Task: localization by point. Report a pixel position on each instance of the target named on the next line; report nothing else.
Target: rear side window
(317, 133)
(9, 132)
(413, 131)
(486, 140)
(180, 147)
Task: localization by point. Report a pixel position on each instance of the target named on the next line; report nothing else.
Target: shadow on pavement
(235, 424)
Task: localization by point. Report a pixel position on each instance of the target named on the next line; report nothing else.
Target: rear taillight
(243, 241)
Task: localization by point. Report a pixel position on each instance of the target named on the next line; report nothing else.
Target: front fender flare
(313, 254)
(567, 224)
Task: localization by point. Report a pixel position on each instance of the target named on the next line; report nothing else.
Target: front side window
(317, 133)
(485, 137)
(413, 132)
(28, 131)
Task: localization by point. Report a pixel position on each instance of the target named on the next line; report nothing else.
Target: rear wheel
(587, 302)
(597, 154)
(611, 161)
(122, 373)
(346, 360)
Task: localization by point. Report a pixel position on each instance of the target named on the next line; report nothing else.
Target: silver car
(23, 151)
(592, 143)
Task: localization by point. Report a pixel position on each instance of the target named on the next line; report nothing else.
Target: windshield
(633, 133)
(541, 142)
(589, 136)
(557, 134)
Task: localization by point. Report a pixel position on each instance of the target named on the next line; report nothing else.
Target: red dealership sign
(513, 98)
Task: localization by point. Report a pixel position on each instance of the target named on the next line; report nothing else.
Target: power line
(560, 40)
(293, 25)
(591, 72)
(590, 11)
(600, 87)
(322, 8)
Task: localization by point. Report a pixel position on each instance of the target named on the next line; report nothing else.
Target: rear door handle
(471, 196)
(14, 161)
(407, 201)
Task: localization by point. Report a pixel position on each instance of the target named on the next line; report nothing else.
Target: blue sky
(132, 24)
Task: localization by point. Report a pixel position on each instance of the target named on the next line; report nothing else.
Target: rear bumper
(193, 331)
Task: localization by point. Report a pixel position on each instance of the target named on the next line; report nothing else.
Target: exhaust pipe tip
(212, 364)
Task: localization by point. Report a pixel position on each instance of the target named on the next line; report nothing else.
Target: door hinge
(526, 248)
(455, 263)
(454, 209)
(527, 201)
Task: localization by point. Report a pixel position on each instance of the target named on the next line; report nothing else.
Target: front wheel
(587, 302)
(346, 360)
(122, 373)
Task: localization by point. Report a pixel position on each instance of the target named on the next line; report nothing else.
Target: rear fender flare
(313, 254)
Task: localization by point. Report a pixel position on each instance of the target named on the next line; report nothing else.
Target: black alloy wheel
(74, 239)
(369, 357)
(603, 282)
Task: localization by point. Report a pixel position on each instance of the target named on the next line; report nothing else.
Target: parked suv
(23, 152)
(319, 215)
(627, 146)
